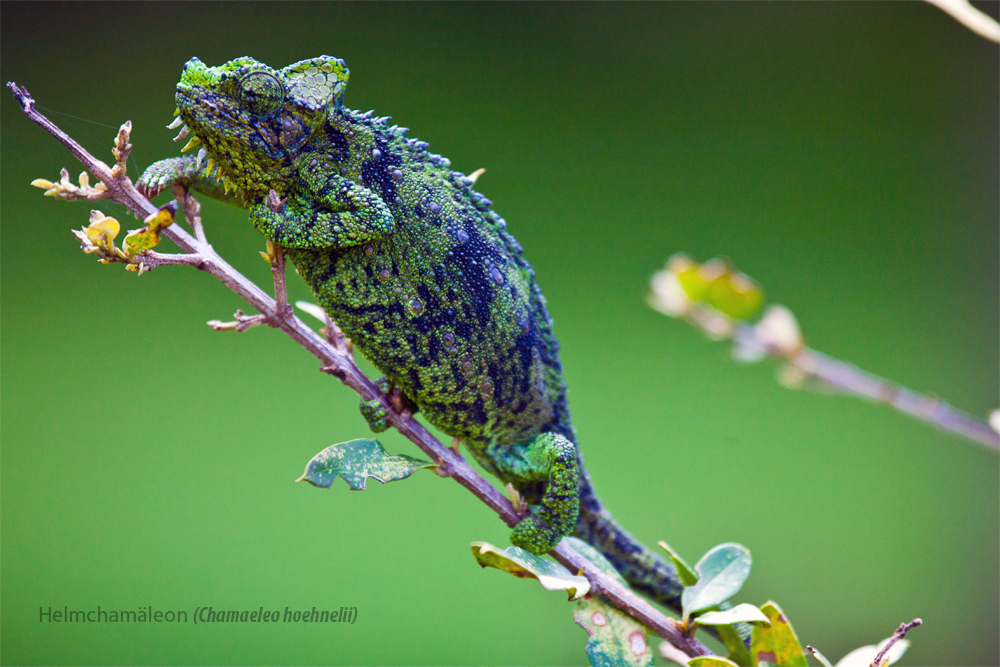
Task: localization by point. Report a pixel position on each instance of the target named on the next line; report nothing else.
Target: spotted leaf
(776, 645)
(356, 461)
(524, 565)
(615, 638)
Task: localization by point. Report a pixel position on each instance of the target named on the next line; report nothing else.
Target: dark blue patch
(375, 173)
(479, 412)
(340, 148)
(415, 382)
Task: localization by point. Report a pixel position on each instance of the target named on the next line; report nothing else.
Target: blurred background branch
(720, 300)
(973, 19)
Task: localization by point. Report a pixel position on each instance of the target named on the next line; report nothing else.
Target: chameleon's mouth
(186, 117)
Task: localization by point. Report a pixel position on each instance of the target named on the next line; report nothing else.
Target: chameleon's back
(445, 305)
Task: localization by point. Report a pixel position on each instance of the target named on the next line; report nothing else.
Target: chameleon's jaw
(188, 122)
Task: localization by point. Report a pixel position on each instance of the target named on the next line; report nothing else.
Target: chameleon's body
(417, 271)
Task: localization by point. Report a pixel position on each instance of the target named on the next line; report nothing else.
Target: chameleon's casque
(415, 268)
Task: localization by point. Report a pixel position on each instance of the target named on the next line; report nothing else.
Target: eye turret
(260, 93)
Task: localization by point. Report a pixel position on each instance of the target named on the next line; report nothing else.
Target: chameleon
(417, 270)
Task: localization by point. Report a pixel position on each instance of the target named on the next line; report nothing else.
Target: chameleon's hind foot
(552, 458)
(534, 535)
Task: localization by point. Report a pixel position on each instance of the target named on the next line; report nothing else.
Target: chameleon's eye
(260, 93)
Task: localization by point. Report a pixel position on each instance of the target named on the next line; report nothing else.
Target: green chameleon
(417, 271)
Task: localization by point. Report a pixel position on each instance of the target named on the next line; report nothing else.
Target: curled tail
(645, 571)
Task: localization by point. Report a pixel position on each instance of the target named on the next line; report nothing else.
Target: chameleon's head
(254, 120)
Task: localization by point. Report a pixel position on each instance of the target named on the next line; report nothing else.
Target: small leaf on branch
(147, 237)
(710, 661)
(99, 237)
(741, 613)
(717, 284)
(595, 557)
(721, 573)
(524, 565)
(687, 576)
(777, 644)
(356, 461)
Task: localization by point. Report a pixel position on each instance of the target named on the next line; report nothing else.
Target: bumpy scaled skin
(416, 269)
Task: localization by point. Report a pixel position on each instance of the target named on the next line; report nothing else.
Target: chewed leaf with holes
(721, 573)
(776, 645)
(615, 638)
(525, 565)
(356, 461)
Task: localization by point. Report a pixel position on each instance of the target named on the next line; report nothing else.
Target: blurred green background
(844, 155)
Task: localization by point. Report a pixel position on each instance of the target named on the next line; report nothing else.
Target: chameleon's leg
(373, 410)
(186, 171)
(552, 459)
(336, 214)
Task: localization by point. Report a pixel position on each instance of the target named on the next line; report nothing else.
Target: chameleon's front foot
(190, 172)
(375, 413)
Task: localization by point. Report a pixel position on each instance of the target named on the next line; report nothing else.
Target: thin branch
(281, 307)
(777, 336)
(342, 366)
(850, 379)
(192, 211)
(896, 636)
